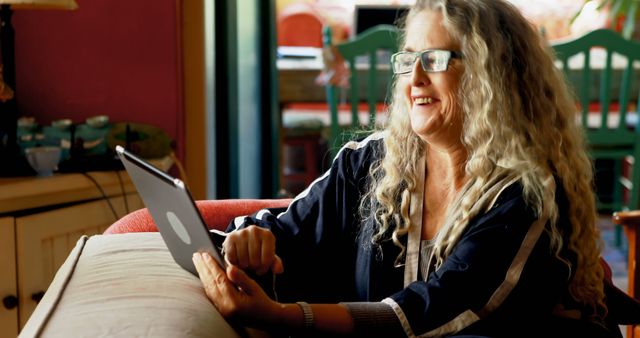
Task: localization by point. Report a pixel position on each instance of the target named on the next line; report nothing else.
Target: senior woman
(472, 213)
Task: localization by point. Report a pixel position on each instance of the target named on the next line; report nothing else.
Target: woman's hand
(240, 299)
(235, 294)
(253, 249)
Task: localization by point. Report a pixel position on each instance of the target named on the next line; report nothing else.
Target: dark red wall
(115, 57)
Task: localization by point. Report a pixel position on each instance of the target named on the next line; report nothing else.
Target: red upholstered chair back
(300, 24)
(216, 214)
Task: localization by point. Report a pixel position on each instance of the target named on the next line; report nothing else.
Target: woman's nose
(418, 76)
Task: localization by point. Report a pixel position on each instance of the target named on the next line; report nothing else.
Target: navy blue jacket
(500, 279)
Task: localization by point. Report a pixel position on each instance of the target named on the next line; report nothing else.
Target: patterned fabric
(426, 247)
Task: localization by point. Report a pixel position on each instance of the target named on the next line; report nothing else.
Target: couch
(124, 283)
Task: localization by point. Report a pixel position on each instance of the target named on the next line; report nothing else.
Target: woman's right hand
(253, 249)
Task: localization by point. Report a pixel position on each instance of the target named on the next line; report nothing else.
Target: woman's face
(432, 96)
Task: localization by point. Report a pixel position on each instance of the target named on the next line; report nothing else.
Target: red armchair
(216, 214)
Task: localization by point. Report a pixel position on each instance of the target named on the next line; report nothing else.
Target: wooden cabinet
(41, 220)
(44, 240)
(8, 287)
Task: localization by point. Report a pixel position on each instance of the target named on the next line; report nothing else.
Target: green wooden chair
(606, 79)
(369, 81)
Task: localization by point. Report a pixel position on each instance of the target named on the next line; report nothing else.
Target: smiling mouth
(423, 100)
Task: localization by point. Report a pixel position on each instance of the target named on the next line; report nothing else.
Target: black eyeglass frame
(448, 54)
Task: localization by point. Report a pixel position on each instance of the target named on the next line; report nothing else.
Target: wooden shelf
(17, 194)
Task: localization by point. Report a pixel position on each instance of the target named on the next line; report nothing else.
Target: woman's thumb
(241, 279)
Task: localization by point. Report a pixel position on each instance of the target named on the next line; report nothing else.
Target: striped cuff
(374, 319)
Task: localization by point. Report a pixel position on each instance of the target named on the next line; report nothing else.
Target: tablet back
(173, 210)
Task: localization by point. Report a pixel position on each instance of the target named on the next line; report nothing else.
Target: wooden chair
(630, 220)
(368, 81)
(600, 67)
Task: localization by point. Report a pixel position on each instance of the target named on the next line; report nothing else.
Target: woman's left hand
(235, 294)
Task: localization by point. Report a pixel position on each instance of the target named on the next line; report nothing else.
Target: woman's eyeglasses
(432, 60)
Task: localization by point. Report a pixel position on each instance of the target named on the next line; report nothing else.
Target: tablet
(173, 210)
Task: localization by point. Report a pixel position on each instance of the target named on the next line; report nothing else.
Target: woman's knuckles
(220, 279)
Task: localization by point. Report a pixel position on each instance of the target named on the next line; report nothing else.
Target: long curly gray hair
(519, 122)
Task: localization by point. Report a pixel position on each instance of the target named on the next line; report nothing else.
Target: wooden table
(297, 78)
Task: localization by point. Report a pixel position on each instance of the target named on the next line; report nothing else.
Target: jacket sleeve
(316, 233)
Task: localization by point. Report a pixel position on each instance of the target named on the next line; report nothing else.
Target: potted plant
(623, 15)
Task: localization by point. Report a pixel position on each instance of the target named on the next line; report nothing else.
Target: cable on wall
(104, 195)
(124, 193)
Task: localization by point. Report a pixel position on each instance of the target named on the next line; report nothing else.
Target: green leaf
(630, 9)
(619, 7)
(626, 4)
(630, 20)
(602, 4)
(574, 16)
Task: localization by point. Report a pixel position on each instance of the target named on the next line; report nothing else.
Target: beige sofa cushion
(125, 285)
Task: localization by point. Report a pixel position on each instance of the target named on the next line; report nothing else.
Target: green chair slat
(371, 93)
(354, 97)
(585, 86)
(623, 97)
(368, 43)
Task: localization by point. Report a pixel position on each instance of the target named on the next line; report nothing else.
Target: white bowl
(98, 121)
(44, 160)
(27, 123)
(62, 124)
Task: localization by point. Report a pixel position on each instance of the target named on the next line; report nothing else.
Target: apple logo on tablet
(178, 227)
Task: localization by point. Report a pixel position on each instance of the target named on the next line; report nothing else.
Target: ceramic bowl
(98, 121)
(27, 123)
(44, 160)
(62, 124)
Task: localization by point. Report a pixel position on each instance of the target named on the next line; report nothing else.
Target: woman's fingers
(232, 291)
(222, 292)
(261, 249)
(256, 242)
(266, 256)
(252, 248)
(277, 267)
(242, 250)
(236, 248)
(231, 252)
(208, 275)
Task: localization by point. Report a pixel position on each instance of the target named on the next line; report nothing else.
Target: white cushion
(125, 285)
